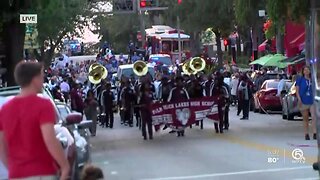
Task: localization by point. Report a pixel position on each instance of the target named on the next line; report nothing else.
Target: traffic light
(147, 3)
(143, 3)
(179, 1)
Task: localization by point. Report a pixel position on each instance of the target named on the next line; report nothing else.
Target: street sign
(28, 18)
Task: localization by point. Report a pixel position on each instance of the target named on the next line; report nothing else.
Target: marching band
(136, 96)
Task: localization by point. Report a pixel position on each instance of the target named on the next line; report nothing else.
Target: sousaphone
(187, 69)
(97, 72)
(197, 64)
(140, 68)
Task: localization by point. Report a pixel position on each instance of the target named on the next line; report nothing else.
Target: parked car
(66, 127)
(80, 132)
(162, 62)
(290, 104)
(266, 98)
(127, 71)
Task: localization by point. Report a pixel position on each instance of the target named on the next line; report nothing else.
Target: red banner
(185, 113)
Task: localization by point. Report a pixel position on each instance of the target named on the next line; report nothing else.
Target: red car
(266, 98)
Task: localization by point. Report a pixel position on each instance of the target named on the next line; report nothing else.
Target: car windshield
(272, 84)
(163, 60)
(128, 72)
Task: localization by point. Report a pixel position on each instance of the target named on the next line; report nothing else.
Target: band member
(164, 89)
(108, 98)
(207, 85)
(145, 102)
(136, 110)
(219, 90)
(196, 91)
(119, 101)
(127, 102)
(178, 93)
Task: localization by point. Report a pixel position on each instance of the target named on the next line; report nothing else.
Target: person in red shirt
(28, 144)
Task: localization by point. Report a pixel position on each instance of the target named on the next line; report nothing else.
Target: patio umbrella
(262, 60)
(275, 61)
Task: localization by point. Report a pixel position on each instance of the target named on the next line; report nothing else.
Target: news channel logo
(298, 156)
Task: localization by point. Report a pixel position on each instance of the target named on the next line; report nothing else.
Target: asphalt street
(242, 152)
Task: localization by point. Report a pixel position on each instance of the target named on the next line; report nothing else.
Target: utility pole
(179, 40)
(142, 23)
(141, 12)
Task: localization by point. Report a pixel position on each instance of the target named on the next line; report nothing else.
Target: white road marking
(105, 162)
(312, 178)
(230, 173)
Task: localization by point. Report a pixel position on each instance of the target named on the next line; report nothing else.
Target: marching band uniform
(127, 99)
(164, 90)
(119, 102)
(207, 86)
(218, 89)
(107, 102)
(146, 100)
(196, 91)
(178, 93)
(136, 108)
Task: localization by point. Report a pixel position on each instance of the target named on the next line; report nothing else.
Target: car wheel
(284, 116)
(289, 115)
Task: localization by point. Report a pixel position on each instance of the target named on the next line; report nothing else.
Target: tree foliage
(58, 19)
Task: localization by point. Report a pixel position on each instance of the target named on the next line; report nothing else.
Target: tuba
(197, 64)
(97, 72)
(187, 69)
(140, 68)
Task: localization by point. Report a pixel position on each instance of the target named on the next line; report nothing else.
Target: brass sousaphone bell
(197, 64)
(97, 72)
(140, 68)
(187, 69)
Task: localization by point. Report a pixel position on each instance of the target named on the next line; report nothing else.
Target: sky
(88, 36)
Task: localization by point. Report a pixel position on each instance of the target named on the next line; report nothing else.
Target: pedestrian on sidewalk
(245, 91)
(28, 144)
(305, 97)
